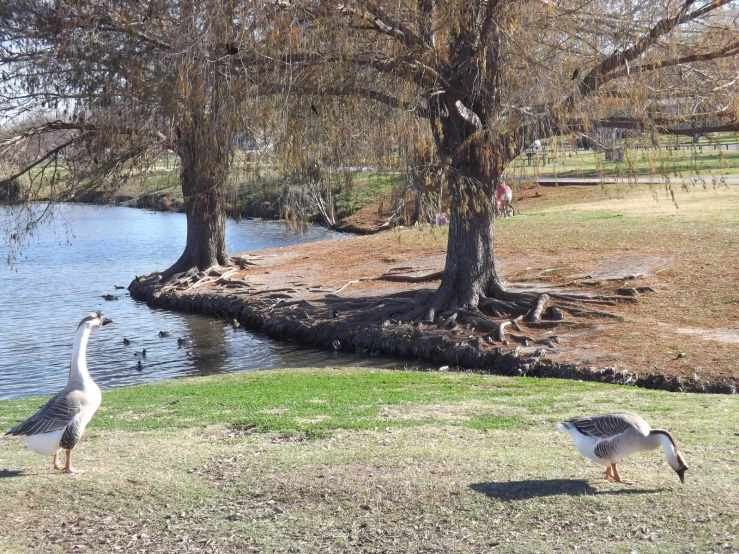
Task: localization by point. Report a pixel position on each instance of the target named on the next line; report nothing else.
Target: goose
(609, 438)
(60, 422)
(139, 365)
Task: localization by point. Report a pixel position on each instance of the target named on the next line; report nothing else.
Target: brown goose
(609, 438)
(60, 422)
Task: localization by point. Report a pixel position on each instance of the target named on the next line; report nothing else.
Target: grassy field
(350, 460)
(688, 160)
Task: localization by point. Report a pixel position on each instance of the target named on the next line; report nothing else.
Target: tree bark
(474, 169)
(203, 180)
(470, 262)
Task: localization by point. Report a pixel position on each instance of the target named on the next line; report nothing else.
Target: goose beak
(105, 321)
(681, 473)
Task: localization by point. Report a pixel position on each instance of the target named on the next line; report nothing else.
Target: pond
(82, 255)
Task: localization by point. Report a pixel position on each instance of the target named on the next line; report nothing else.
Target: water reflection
(208, 350)
(56, 283)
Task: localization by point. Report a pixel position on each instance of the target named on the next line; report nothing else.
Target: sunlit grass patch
(358, 460)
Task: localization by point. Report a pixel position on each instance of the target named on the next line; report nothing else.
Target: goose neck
(78, 368)
(658, 437)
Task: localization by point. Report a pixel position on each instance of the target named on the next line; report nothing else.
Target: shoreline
(270, 314)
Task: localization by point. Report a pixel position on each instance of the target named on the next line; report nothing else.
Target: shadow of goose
(6, 473)
(537, 488)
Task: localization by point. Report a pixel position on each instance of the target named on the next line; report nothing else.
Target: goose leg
(56, 465)
(68, 466)
(618, 478)
(609, 473)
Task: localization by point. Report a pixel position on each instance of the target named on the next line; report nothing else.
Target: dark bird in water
(575, 74)
(139, 365)
(109, 297)
(142, 353)
(126, 341)
(184, 342)
(60, 423)
(165, 333)
(118, 287)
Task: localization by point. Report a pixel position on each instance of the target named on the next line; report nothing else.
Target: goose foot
(68, 465)
(614, 475)
(55, 464)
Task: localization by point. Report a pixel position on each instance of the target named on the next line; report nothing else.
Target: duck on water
(60, 423)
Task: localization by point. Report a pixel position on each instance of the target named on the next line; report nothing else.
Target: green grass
(364, 190)
(288, 401)
(686, 162)
(357, 460)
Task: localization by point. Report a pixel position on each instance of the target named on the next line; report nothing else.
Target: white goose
(609, 438)
(61, 421)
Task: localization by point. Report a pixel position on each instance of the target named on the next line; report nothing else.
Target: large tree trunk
(203, 179)
(474, 167)
(203, 142)
(469, 272)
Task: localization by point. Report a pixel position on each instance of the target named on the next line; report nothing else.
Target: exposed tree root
(318, 322)
(535, 314)
(499, 317)
(490, 318)
(411, 278)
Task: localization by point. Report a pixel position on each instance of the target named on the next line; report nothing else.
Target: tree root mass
(405, 324)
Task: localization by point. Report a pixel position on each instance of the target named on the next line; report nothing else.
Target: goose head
(94, 321)
(679, 464)
(673, 455)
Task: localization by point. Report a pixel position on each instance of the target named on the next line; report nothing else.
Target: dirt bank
(306, 294)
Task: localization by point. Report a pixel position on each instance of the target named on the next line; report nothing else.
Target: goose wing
(56, 414)
(605, 426)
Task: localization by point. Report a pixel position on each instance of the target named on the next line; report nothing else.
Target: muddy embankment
(270, 311)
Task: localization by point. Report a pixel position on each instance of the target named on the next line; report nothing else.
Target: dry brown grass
(684, 253)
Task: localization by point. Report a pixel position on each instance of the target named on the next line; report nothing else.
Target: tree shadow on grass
(5, 473)
(536, 488)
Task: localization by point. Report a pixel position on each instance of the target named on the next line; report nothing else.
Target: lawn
(360, 460)
(687, 161)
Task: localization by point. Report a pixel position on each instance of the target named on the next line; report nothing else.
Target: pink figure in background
(503, 197)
